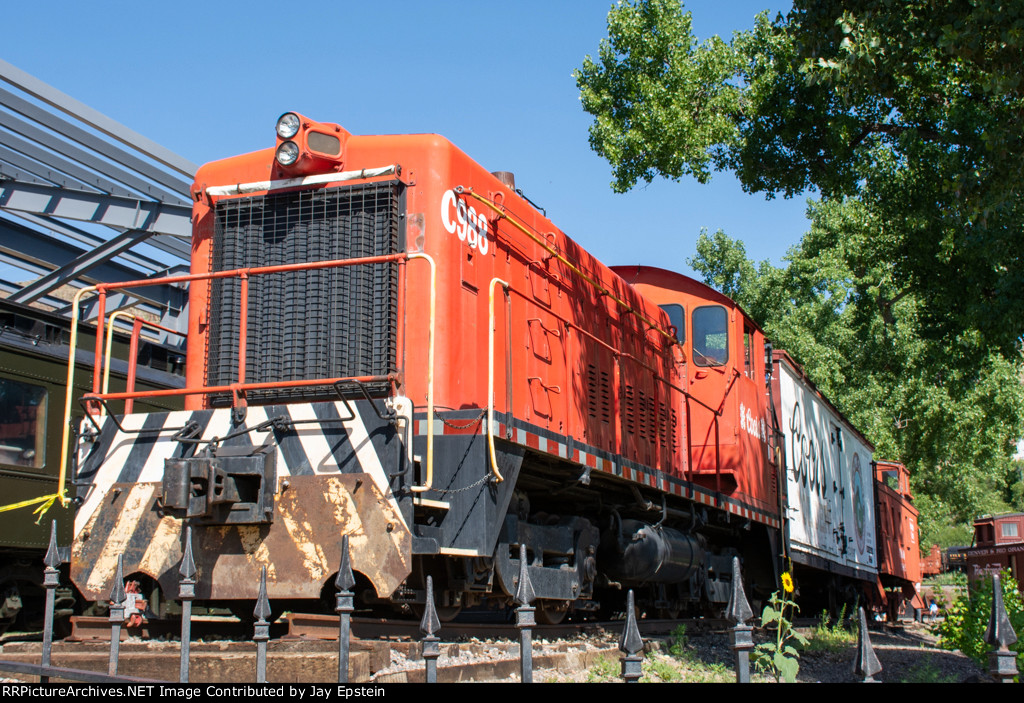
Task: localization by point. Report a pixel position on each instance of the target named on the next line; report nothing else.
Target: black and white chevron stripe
(314, 438)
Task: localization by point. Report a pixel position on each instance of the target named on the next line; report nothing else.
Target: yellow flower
(787, 582)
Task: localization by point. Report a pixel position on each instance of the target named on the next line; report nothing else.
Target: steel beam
(36, 251)
(39, 172)
(79, 266)
(130, 181)
(104, 209)
(172, 245)
(80, 111)
(145, 263)
(8, 171)
(76, 169)
(76, 134)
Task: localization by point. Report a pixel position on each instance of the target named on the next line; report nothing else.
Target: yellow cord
(47, 503)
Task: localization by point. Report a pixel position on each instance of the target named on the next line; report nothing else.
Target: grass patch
(950, 578)
(831, 635)
(660, 667)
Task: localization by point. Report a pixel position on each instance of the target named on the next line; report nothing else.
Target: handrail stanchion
(68, 393)
(101, 314)
(490, 378)
(428, 482)
(243, 323)
(133, 359)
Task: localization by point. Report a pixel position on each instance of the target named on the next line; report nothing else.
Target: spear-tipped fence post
(429, 625)
(116, 618)
(343, 607)
(186, 592)
(1002, 663)
(741, 638)
(51, 579)
(866, 664)
(525, 620)
(631, 644)
(261, 631)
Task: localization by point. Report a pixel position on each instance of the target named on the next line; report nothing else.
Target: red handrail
(236, 389)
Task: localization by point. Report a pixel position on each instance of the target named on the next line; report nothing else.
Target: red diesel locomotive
(389, 342)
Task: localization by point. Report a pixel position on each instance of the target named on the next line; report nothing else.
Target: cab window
(677, 316)
(710, 336)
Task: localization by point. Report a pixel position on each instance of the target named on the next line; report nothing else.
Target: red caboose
(899, 563)
(998, 544)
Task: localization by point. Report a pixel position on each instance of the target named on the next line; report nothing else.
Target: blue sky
(208, 80)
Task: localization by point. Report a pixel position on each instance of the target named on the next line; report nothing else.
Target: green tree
(919, 102)
(839, 310)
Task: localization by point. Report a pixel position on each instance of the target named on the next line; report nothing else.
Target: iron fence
(1000, 635)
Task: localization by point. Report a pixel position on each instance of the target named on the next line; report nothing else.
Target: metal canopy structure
(85, 200)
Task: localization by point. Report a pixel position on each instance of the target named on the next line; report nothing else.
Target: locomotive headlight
(287, 153)
(288, 125)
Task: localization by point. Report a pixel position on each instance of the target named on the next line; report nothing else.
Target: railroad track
(304, 626)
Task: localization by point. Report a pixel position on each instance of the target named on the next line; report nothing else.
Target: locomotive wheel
(551, 612)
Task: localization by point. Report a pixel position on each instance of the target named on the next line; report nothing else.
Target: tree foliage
(951, 412)
(916, 106)
(903, 300)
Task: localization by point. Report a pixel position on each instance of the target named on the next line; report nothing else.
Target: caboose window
(677, 316)
(1009, 529)
(22, 423)
(710, 336)
(748, 352)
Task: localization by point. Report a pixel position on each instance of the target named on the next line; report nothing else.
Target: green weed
(831, 636)
(677, 647)
(603, 670)
(967, 619)
(926, 672)
(657, 668)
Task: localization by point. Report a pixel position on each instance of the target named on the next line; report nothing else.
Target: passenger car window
(710, 336)
(677, 316)
(22, 423)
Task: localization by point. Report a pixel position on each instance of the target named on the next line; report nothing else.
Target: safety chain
(484, 479)
(470, 423)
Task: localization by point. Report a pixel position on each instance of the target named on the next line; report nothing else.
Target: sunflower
(787, 582)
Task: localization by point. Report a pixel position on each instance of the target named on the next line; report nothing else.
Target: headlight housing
(288, 125)
(287, 153)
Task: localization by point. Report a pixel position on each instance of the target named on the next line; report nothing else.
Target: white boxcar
(830, 506)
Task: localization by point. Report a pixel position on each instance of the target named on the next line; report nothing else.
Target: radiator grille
(323, 323)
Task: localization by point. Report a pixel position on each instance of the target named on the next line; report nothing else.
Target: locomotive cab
(730, 424)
